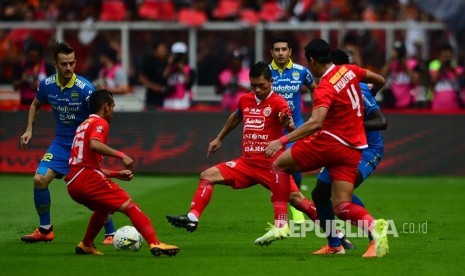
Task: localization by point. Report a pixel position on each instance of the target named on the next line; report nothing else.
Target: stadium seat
(227, 9)
(271, 11)
(162, 10)
(249, 16)
(192, 17)
(113, 10)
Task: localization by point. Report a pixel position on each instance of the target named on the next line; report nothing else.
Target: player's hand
(273, 147)
(125, 175)
(285, 117)
(25, 138)
(213, 146)
(128, 162)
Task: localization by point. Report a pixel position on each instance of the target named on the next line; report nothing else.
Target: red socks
(280, 190)
(308, 207)
(201, 197)
(96, 222)
(357, 215)
(142, 223)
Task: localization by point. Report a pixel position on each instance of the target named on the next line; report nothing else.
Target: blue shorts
(56, 158)
(368, 163)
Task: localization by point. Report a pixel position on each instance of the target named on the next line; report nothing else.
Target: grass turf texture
(223, 243)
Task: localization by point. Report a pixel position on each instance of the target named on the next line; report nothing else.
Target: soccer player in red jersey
(333, 138)
(90, 185)
(263, 114)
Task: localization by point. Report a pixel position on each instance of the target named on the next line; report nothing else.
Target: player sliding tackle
(333, 138)
(263, 114)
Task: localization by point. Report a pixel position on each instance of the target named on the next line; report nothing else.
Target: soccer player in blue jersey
(68, 94)
(374, 121)
(290, 80)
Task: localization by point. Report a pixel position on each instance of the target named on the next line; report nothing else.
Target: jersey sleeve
(368, 99)
(323, 96)
(359, 72)
(99, 130)
(41, 94)
(308, 78)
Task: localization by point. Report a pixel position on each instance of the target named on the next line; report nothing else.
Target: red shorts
(322, 150)
(244, 173)
(94, 190)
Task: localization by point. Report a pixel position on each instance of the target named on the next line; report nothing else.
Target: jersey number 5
(78, 142)
(354, 99)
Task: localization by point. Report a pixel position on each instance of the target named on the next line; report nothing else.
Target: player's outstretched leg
(163, 248)
(81, 249)
(273, 234)
(379, 234)
(183, 221)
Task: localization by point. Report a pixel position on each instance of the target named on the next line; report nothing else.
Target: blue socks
(109, 226)
(357, 200)
(325, 214)
(42, 202)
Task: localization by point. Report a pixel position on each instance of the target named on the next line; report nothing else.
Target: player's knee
(127, 206)
(275, 168)
(40, 181)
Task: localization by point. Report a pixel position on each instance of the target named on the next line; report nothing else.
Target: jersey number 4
(354, 99)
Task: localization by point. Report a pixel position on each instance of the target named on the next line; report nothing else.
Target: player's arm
(31, 119)
(286, 120)
(105, 150)
(375, 79)
(376, 120)
(233, 120)
(126, 175)
(309, 127)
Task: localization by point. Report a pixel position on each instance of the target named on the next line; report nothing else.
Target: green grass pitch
(223, 243)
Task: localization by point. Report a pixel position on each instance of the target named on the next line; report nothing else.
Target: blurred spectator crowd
(419, 69)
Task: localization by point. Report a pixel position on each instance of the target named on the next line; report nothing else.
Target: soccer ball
(127, 238)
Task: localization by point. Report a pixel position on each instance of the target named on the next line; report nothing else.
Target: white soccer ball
(127, 238)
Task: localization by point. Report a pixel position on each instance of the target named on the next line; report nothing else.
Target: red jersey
(81, 154)
(339, 91)
(261, 123)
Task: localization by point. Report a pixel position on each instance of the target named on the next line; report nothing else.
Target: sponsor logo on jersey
(254, 136)
(255, 111)
(79, 83)
(50, 80)
(254, 122)
(99, 129)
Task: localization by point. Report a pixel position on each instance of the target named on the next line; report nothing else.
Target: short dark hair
(99, 98)
(260, 69)
(319, 50)
(280, 39)
(340, 57)
(34, 47)
(62, 48)
(110, 53)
